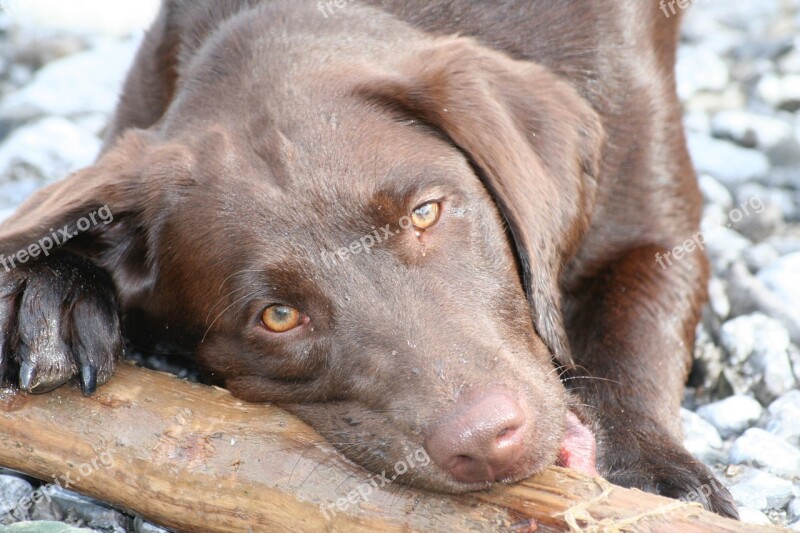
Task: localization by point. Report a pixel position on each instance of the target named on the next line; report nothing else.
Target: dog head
(372, 239)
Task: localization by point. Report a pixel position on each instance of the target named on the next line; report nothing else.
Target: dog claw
(27, 373)
(88, 379)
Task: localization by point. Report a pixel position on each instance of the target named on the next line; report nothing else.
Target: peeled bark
(194, 458)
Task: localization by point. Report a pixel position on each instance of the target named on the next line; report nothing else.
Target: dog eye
(426, 215)
(281, 318)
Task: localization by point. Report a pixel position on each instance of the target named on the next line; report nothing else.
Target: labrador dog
(435, 224)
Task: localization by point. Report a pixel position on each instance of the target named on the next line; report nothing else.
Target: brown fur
(252, 136)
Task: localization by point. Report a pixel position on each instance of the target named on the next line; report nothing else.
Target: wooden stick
(194, 458)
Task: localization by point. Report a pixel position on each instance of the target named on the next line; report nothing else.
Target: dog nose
(481, 442)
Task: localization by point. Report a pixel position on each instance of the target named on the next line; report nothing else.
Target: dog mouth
(578, 447)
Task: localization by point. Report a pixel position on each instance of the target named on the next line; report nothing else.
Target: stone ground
(739, 76)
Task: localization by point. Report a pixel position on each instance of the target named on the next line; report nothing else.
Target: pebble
(699, 69)
(700, 437)
(732, 415)
(47, 150)
(715, 193)
(94, 90)
(784, 419)
(90, 511)
(727, 162)
(760, 256)
(781, 92)
(718, 299)
(760, 448)
(752, 130)
(783, 277)
(793, 510)
(760, 490)
(752, 516)
(12, 491)
(748, 294)
(774, 369)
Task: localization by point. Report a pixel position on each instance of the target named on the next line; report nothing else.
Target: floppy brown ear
(108, 210)
(534, 141)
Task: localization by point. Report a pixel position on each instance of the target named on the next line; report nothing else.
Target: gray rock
(700, 69)
(793, 510)
(760, 490)
(723, 246)
(718, 298)
(732, 415)
(776, 376)
(758, 225)
(760, 256)
(754, 198)
(715, 193)
(87, 82)
(782, 92)
(738, 337)
(752, 130)
(783, 277)
(13, 492)
(47, 149)
(784, 419)
(748, 294)
(700, 438)
(756, 332)
(761, 449)
(752, 516)
(784, 245)
(729, 163)
(88, 510)
(140, 525)
(44, 527)
(697, 122)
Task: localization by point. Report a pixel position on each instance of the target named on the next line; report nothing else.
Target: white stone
(83, 83)
(760, 490)
(732, 415)
(718, 298)
(761, 449)
(48, 149)
(700, 438)
(783, 278)
(752, 516)
(743, 126)
(727, 162)
(715, 193)
(780, 91)
(784, 419)
(82, 16)
(700, 69)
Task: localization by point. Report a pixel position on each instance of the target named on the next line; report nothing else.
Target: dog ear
(108, 213)
(534, 141)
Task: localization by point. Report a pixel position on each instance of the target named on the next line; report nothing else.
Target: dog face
(365, 247)
(370, 287)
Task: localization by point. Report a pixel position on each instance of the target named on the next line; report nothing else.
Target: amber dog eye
(281, 318)
(426, 215)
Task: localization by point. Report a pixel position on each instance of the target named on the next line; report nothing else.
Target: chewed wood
(194, 458)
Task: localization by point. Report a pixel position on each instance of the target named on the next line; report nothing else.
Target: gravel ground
(739, 76)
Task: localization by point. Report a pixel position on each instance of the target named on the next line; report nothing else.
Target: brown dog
(393, 231)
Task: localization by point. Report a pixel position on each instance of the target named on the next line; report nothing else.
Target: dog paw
(59, 319)
(670, 471)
